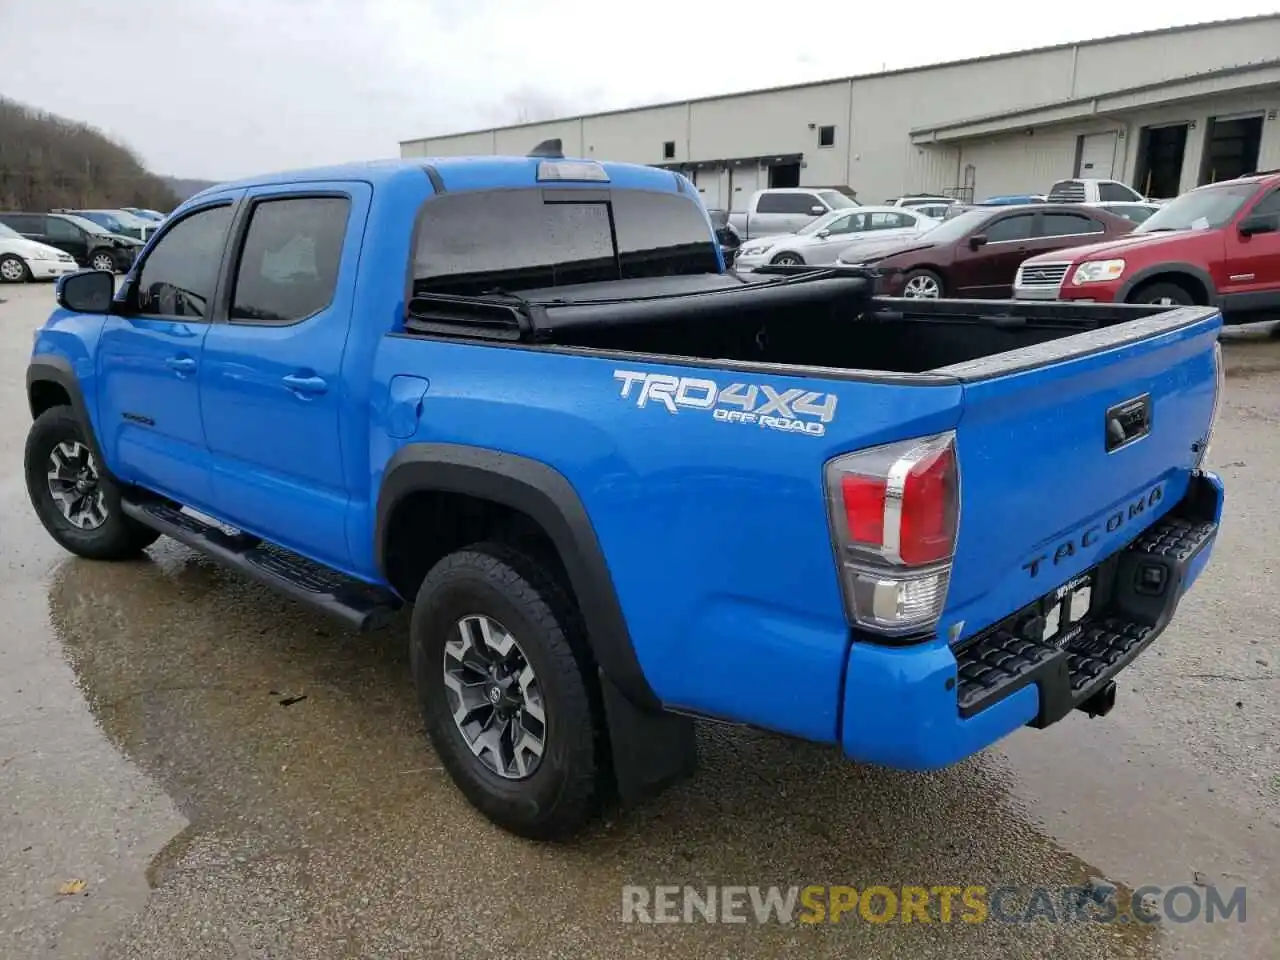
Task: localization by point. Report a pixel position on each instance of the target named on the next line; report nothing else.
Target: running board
(361, 605)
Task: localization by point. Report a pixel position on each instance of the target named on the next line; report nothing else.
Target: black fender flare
(1173, 267)
(548, 498)
(52, 368)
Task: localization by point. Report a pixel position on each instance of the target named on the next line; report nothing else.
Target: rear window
(506, 240)
(1067, 191)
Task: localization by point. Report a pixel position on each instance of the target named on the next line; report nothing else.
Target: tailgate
(1070, 449)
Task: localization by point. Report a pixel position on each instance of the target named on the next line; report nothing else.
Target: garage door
(746, 181)
(1097, 156)
(708, 184)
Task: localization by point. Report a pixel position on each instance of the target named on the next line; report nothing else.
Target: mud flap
(651, 750)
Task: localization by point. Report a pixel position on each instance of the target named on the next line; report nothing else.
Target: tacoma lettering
(1067, 549)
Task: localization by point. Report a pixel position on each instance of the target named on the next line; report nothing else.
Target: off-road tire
(119, 537)
(508, 585)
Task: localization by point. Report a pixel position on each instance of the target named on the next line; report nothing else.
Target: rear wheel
(13, 269)
(922, 285)
(788, 260)
(498, 656)
(1164, 293)
(77, 503)
(101, 260)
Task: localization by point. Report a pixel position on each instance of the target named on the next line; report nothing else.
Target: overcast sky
(225, 88)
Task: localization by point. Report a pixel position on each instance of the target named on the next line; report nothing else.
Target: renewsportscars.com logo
(791, 410)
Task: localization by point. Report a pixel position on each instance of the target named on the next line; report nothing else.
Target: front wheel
(77, 503)
(922, 285)
(101, 260)
(788, 260)
(498, 656)
(13, 269)
(1163, 294)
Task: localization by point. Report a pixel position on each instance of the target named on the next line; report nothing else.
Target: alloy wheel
(922, 288)
(494, 697)
(74, 484)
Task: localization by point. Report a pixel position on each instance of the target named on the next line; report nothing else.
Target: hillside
(183, 188)
(48, 161)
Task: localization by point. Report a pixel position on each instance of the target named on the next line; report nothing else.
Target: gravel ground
(145, 749)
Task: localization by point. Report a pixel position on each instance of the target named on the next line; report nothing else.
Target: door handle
(181, 364)
(305, 385)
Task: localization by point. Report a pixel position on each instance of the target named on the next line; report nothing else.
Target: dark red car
(977, 253)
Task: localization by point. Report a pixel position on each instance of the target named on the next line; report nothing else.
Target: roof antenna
(549, 150)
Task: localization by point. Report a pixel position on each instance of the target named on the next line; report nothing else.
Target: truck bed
(819, 320)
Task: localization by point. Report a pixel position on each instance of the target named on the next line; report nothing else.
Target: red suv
(1218, 244)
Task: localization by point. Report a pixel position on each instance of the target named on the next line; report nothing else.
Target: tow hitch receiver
(1100, 704)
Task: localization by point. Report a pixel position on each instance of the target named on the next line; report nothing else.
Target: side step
(361, 605)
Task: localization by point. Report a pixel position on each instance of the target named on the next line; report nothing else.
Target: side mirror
(818, 210)
(977, 240)
(87, 291)
(823, 234)
(1262, 223)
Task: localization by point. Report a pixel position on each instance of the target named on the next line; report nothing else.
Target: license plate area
(1065, 608)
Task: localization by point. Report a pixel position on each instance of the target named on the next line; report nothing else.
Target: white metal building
(1163, 111)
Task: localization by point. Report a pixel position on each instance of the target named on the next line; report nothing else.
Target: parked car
(934, 209)
(918, 199)
(822, 240)
(1086, 190)
(1137, 212)
(153, 215)
(119, 222)
(361, 449)
(1013, 199)
(977, 253)
(1218, 244)
(91, 245)
(726, 235)
(22, 259)
(781, 210)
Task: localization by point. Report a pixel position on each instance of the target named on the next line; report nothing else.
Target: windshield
(84, 223)
(1203, 209)
(9, 233)
(837, 200)
(958, 227)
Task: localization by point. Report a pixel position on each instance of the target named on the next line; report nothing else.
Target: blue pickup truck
(621, 487)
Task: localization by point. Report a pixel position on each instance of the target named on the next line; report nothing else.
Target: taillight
(1220, 374)
(894, 515)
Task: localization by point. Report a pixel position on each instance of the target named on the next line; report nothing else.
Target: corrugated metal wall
(873, 117)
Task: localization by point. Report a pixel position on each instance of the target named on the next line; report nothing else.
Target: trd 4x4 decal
(791, 410)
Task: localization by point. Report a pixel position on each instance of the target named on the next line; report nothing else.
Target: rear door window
(507, 240)
(1067, 225)
(1010, 228)
(787, 203)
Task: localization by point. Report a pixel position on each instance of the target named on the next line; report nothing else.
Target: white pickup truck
(779, 210)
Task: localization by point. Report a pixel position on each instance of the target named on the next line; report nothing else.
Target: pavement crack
(1230, 677)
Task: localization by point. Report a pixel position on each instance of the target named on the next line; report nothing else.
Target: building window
(669, 150)
(826, 136)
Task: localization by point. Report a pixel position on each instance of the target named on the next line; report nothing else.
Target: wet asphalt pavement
(153, 744)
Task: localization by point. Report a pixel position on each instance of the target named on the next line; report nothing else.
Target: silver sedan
(821, 241)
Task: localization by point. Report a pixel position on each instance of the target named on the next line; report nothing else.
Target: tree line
(48, 161)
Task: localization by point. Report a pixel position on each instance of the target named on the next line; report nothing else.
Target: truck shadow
(294, 748)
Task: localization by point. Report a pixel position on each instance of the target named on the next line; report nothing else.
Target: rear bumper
(928, 706)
